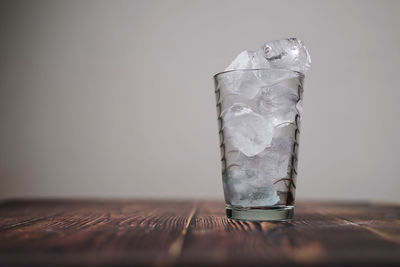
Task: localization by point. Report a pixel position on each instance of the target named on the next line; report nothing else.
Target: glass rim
(260, 69)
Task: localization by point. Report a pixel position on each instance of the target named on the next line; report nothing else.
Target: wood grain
(189, 233)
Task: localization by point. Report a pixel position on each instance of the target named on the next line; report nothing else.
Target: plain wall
(116, 99)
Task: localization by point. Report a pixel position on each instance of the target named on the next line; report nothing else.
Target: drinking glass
(259, 126)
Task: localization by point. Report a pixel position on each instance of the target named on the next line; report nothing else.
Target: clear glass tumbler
(259, 120)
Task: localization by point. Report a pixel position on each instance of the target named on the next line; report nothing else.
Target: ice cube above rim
(289, 53)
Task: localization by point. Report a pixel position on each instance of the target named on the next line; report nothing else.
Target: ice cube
(264, 196)
(273, 163)
(248, 83)
(280, 155)
(278, 104)
(249, 60)
(244, 83)
(248, 131)
(253, 72)
(241, 62)
(236, 189)
(287, 54)
(243, 188)
(273, 76)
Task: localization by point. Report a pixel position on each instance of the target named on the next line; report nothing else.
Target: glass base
(272, 214)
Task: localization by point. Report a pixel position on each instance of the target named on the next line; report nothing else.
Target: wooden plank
(185, 233)
(319, 235)
(81, 233)
(379, 218)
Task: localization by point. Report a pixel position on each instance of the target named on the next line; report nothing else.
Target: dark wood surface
(194, 233)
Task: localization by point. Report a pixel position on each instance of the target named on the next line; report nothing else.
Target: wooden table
(190, 233)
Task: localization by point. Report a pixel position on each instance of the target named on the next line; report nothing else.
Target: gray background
(116, 99)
